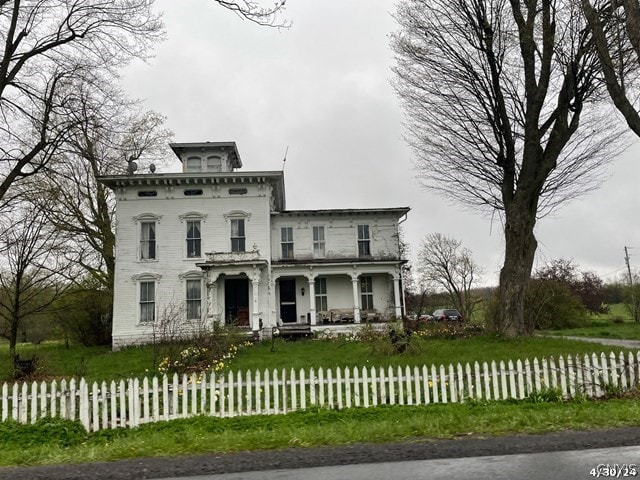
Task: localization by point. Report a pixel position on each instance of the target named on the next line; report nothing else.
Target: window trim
(286, 243)
(186, 163)
(138, 221)
(364, 243)
(139, 279)
(366, 292)
(185, 219)
(237, 215)
(316, 243)
(321, 296)
(240, 238)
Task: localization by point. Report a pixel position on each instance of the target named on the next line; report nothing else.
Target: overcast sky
(322, 89)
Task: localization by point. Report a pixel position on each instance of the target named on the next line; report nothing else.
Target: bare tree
(47, 47)
(445, 263)
(504, 112)
(254, 12)
(29, 277)
(108, 130)
(615, 26)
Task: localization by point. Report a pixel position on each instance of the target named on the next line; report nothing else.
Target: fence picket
(330, 388)
(294, 396)
(579, 376)
(588, 386)
(495, 380)
(321, 382)
(624, 369)
(487, 380)
(267, 393)
(477, 381)
(34, 402)
(347, 384)
(365, 387)
(443, 385)
(461, 390)
(571, 374)
(374, 386)
(339, 387)
(613, 369)
(434, 384)
(408, 385)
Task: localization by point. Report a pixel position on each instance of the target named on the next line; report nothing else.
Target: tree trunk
(520, 249)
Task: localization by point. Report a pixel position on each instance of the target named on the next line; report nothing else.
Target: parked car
(447, 315)
(423, 317)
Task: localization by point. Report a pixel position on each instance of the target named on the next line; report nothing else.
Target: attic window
(147, 193)
(237, 191)
(193, 192)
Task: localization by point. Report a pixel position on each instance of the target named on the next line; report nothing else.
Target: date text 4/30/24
(615, 470)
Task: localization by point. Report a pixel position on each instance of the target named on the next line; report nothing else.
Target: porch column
(212, 298)
(312, 299)
(273, 316)
(356, 299)
(255, 311)
(396, 296)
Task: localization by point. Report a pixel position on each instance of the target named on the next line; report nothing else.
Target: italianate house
(220, 244)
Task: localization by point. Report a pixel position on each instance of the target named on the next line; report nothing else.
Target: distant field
(616, 324)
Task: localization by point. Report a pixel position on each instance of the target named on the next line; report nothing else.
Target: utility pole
(634, 306)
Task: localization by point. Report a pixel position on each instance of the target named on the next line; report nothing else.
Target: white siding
(171, 260)
(341, 235)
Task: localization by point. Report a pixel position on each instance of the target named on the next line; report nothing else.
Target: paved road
(572, 465)
(419, 449)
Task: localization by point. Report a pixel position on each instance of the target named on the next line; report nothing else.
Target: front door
(236, 301)
(288, 300)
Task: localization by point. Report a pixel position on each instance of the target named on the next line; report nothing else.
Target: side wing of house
(336, 266)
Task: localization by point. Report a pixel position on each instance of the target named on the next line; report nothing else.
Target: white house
(221, 244)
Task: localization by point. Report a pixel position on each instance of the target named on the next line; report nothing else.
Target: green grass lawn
(100, 363)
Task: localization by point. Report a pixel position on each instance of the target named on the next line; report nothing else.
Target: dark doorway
(288, 300)
(236, 301)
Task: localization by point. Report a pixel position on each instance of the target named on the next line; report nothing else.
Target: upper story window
(318, 241)
(194, 164)
(214, 164)
(194, 240)
(148, 240)
(238, 238)
(146, 236)
(286, 238)
(364, 241)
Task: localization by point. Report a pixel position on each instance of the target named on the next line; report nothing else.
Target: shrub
(46, 431)
(550, 304)
(209, 349)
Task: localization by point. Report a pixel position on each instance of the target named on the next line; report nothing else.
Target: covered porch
(336, 295)
(237, 289)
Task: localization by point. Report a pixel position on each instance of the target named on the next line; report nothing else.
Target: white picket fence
(134, 402)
